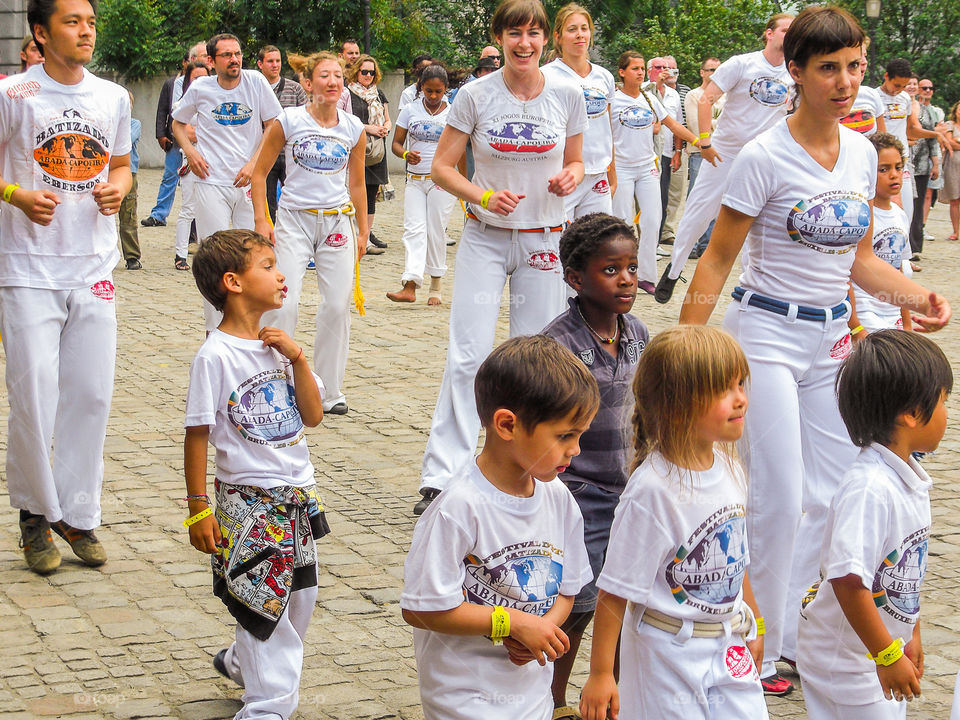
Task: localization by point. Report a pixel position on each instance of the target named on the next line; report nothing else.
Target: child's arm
(755, 646)
(852, 321)
(600, 691)
(519, 655)
(914, 650)
(544, 639)
(901, 679)
(304, 385)
(205, 534)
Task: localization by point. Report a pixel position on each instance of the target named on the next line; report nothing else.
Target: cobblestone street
(135, 638)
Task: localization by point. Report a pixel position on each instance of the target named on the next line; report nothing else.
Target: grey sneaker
(83, 543)
(39, 551)
(220, 665)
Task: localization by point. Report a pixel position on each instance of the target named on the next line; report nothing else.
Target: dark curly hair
(586, 234)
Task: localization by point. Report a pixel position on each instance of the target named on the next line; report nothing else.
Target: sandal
(565, 713)
(180, 263)
(952, 237)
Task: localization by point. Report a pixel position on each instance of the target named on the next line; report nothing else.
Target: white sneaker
(928, 237)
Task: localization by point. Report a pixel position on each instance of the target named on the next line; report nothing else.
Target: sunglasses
(926, 87)
(368, 72)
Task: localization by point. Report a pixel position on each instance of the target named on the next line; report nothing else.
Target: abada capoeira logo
(831, 222)
(524, 576)
(769, 91)
(636, 117)
(232, 113)
(320, 154)
(521, 137)
(72, 152)
(889, 244)
(896, 584)
(426, 131)
(707, 572)
(596, 102)
(860, 119)
(264, 410)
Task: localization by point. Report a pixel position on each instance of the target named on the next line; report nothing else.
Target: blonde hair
(354, 71)
(305, 65)
(564, 14)
(679, 374)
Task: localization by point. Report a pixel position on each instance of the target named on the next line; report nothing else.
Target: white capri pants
(188, 186)
(641, 184)
(61, 347)
(426, 211)
(486, 258)
(592, 195)
(703, 206)
(270, 669)
(219, 207)
(796, 449)
(907, 190)
(330, 241)
(821, 707)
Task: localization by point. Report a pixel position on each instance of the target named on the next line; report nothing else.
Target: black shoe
(429, 495)
(450, 242)
(664, 290)
(377, 242)
(151, 221)
(220, 665)
(134, 264)
(339, 409)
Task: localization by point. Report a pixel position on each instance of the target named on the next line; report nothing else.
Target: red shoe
(776, 685)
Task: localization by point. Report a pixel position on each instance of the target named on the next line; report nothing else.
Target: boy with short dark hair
(499, 556)
(251, 392)
(859, 639)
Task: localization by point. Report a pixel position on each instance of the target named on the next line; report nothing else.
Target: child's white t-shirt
(244, 392)
(317, 159)
(229, 122)
(60, 138)
(678, 543)
(518, 145)
(598, 89)
(865, 110)
(877, 528)
(802, 244)
(479, 545)
(891, 231)
(757, 97)
(423, 133)
(632, 121)
(897, 109)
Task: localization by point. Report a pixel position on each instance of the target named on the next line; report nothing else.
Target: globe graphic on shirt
(528, 579)
(830, 221)
(266, 412)
(596, 102)
(320, 153)
(712, 569)
(889, 244)
(636, 117)
(897, 582)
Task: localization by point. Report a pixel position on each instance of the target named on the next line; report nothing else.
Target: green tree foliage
(131, 40)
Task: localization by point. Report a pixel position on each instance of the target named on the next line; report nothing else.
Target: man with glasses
(936, 181)
(491, 52)
(233, 109)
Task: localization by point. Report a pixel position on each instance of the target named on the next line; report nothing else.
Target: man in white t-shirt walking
(757, 86)
(65, 159)
(232, 110)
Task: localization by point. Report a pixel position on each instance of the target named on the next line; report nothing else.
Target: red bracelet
(297, 358)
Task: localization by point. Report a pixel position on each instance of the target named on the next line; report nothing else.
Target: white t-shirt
(877, 528)
(517, 145)
(477, 544)
(229, 122)
(60, 138)
(408, 95)
(423, 133)
(678, 543)
(674, 107)
(317, 159)
(808, 219)
(598, 89)
(244, 392)
(891, 231)
(866, 109)
(632, 120)
(757, 97)
(897, 109)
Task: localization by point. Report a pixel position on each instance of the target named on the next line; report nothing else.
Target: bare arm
(443, 171)
(205, 534)
(111, 193)
(600, 691)
(270, 148)
(37, 205)
(358, 192)
(243, 176)
(711, 93)
(196, 161)
(566, 181)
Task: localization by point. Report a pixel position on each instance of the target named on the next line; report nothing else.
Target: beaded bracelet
(205, 498)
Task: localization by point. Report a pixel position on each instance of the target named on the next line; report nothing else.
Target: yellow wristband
(704, 135)
(890, 654)
(8, 191)
(857, 329)
(499, 625)
(405, 153)
(761, 627)
(485, 199)
(207, 512)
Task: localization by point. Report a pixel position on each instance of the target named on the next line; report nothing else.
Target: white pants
(907, 190)
(218, 207)
(61, 347)
(486, 258)
(188, 186)
(426, 211)
(796, 449)
(703, 206)
(329, 240)
(677, 197)
(641, 185)
(662, 678)
(821, 707)
(955, 710)
(270, 669)
(592, 195)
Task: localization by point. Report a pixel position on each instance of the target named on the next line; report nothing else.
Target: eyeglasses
(371, 73)
(228, 55)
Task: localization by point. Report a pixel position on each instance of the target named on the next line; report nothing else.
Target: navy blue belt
(804, 312)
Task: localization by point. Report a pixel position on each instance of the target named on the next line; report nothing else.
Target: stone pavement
(135, 638)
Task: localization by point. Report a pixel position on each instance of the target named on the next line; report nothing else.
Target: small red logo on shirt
(841, 348)
(103, 290)
(602, 187)
(544, 260)
(336, 240)
(739, 661)
(24, 89)
(899, 324)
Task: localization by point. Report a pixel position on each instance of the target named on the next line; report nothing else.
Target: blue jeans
(168, 184)
(695, 160)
